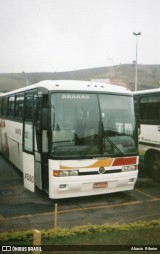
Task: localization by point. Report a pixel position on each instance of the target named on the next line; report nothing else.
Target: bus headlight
(73, 172)
(64, 173)
(129, 168)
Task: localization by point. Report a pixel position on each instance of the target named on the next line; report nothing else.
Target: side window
(154, 105)
(11, 106)
(19, 106)
(29, 108)
(136, 106)
(0, 106)
(143, 109)
(4, 106)
(150, 109)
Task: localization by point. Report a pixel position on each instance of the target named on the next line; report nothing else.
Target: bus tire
(129, 193)
(155, 166)
(148, 162)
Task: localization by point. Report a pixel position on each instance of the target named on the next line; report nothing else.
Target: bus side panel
(14, 139)
(150, 134)
(28, 171)
(149, 139)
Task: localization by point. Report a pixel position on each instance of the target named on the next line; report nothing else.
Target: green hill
(124, 75)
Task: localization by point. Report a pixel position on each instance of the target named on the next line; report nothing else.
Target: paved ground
(22, 209)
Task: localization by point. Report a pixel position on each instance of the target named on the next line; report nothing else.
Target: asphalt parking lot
(21, 209)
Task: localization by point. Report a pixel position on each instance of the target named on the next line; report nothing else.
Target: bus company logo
(6, 248)
(101, 170)
(75, 96)
(18, 131)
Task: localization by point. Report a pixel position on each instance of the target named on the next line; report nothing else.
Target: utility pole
(136, 34)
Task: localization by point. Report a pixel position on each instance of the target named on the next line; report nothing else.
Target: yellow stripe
(99, 207)
(147, 195)
(80, 209)
(97, 164)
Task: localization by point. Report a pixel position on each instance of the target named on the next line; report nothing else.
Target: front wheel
(155, 167)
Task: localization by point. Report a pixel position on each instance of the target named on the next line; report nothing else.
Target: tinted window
(150, 108)
(19, 106)
(11, 105)
(29, 108)
(4, 105)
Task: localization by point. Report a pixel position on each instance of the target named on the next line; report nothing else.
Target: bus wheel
(155, 167)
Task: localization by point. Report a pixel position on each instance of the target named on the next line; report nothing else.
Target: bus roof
(148, 91)
(73, 85)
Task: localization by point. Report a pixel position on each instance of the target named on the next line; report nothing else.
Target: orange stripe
(99, 163)
(106, 163)
(102, 163)
(125, 161)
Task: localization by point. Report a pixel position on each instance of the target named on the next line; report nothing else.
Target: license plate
(100, 185)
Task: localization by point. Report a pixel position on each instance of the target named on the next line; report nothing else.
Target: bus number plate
(100, 185)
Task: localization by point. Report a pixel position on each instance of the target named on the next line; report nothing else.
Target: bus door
(28, 143)
(41, 140)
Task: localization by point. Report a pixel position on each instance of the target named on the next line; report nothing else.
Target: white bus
(71, 138)
(148, 107)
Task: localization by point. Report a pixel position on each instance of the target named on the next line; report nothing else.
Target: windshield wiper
(98, 140)
(105, 134)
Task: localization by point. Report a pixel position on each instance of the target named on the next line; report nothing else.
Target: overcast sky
(63, 35)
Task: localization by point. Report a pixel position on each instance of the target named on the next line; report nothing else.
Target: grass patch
(142, 233)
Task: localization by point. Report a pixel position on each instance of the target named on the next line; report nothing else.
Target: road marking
(76, 209)
(81, 209)
(144, 216)
(106, 206)
(98, 207)
(147, 195)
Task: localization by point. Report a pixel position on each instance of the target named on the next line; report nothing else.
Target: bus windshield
(91, 125)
